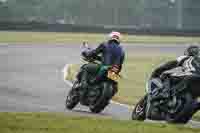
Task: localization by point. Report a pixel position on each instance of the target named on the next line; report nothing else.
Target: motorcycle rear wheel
(100, 107)
(103, 101)
(185, 113)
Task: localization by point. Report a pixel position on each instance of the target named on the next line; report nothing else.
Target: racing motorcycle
(98, 95)
(167, 102)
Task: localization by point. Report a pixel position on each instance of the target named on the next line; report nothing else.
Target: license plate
(113, 76)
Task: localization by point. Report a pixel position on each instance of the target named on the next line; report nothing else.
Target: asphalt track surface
(31, 78)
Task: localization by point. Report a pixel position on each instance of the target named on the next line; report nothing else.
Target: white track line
(70, 84)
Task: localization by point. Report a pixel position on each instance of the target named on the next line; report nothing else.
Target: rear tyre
(72, 98)
(103, 101)
(100, 107)
(139, 110)
(185, 111)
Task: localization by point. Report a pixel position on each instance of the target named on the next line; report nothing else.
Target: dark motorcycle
(97, 96)
(174, 105)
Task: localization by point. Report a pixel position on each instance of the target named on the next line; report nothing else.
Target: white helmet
(114, 35)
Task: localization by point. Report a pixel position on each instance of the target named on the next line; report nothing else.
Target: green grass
(53, 37)
(60, 123)
(197, 116)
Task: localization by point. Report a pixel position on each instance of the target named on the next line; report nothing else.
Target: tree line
(147, 13)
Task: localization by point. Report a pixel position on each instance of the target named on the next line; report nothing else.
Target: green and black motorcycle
(98, 95)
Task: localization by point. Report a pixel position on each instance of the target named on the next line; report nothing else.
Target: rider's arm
(122, 61)
(181, 60)
(122, 58)
(96, 51)
(93, 53)
(163, 67)
(99, 58)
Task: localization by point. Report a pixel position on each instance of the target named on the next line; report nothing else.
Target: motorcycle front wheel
(139, 109)
(72, 98)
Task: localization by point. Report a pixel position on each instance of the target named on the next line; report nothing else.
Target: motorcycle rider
(111, 54)
(190, 64)
(187, 62)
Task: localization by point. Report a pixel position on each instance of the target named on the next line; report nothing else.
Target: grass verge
(54, 37)
(57, 123)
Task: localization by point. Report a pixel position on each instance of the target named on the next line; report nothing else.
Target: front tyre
(72, 98)
(139, 110)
